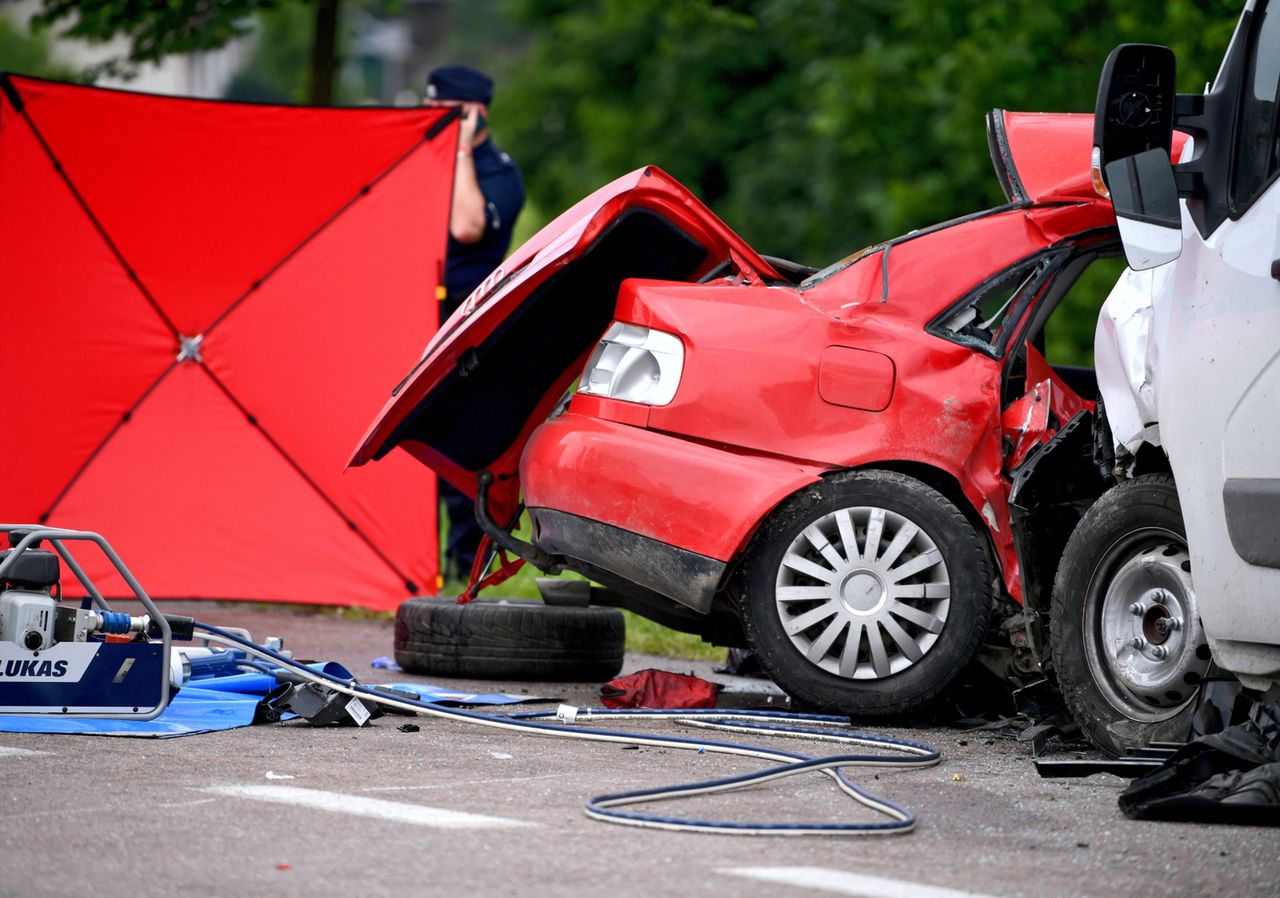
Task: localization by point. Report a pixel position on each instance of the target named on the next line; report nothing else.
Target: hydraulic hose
(909, 754)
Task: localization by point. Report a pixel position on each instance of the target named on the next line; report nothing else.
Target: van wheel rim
(863, 593)
(1146, 649)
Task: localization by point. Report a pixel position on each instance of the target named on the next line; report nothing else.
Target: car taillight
(634, 364)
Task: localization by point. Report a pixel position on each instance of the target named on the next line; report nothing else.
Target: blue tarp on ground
(222, 703)
(195, 709)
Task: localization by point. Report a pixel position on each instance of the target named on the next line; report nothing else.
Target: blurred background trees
(153, 31)
(813, 127)
(31, 54)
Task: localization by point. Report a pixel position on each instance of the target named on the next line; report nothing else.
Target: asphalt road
(454, 809)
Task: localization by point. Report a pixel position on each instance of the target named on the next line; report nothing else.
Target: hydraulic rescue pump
(86, 659)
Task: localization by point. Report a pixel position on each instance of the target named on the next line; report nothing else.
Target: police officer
(487, 196)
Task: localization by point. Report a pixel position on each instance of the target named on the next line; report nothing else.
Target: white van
(1188, 362)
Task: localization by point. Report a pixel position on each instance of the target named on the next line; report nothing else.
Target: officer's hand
(467, 128)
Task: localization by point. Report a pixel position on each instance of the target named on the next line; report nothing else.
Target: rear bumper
(667, 496)
(687, 577)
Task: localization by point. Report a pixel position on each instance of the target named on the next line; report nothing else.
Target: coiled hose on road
(906, 753)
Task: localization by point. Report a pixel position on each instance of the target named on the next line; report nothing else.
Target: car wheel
(1126, 639)
(509, 639)
(866, 594)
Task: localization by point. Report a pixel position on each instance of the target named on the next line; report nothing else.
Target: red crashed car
(818, 464)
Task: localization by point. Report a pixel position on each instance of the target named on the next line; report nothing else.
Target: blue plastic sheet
(195, 709)
(258, 684)
(225, 702)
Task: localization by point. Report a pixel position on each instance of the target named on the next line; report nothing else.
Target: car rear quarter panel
(751, 382)
(702, 498)
(753, 374)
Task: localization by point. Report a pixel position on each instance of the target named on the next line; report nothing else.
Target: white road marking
(360, 806)
(843, 883)
(10, 751)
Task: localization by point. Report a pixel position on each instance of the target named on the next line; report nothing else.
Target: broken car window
(1068, 334)
(987, 314)
(1061, 329)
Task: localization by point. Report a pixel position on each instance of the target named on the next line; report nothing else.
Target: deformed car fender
(943, 416)
(705, 499)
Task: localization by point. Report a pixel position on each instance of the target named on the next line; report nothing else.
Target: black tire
(509, 639)
(1128, 552)
(887, 685)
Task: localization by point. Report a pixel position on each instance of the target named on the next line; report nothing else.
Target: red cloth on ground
(658, 689)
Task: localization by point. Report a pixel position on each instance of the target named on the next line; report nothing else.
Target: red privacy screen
(202, 306)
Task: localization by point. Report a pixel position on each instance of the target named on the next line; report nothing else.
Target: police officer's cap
(459, 82)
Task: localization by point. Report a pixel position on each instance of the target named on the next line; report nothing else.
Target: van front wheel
(1126, 639)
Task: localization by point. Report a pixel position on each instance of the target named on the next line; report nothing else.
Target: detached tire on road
(509, 639)
(1125, 634)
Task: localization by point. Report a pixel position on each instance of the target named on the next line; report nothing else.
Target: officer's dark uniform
(467, 264)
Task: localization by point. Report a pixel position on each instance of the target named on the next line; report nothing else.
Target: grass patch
(643, 635)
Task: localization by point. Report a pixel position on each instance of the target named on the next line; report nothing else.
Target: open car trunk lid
(499, 365)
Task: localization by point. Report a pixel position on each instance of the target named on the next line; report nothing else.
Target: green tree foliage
(814, 126)
(159, 29)
(276, 70)
(154, 30)
(28, 54)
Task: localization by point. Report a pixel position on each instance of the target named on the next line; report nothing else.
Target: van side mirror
(1136, 94)
(1145, 198)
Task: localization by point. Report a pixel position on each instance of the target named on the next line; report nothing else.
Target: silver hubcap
(863, 593)
(1144, 642)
